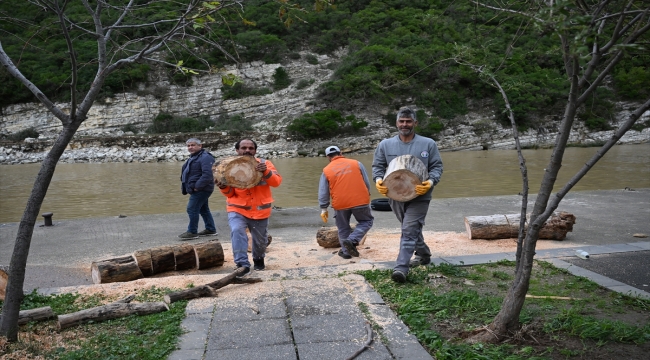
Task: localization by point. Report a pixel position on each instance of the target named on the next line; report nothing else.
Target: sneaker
(420, 260)
(398, 276)
(188, 236)
(344, 255)
(207, 232)
(247, 271)
(351, 248)
(258, 264)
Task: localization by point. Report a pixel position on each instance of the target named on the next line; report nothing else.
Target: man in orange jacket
(250, 209)
(346, 182)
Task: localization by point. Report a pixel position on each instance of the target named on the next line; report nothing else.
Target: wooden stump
(208, 254)
(507, 226)
(4, 278)
(115, 270)
(162, 259)
(184, 256)
(237, 171)
(143, 259)
(402, 175)
(328, 237)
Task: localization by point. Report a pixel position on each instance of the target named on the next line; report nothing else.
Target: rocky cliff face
(100, 138)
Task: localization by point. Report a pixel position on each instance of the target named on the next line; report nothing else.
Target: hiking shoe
(207, 232)
(247, 271)
(398, 277)
(344, 255)
(420, 260)
(188, 236)
(351, 248)
(258, 264)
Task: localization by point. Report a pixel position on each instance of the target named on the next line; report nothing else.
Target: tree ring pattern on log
(237, 171)
(402, 175)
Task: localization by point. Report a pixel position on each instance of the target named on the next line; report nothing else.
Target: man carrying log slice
(346, 181)
(197, 180)
(250, 209)
(412, 213)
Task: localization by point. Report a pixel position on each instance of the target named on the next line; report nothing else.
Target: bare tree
(106, 22)
(594, 36)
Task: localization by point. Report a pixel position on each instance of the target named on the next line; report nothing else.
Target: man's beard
(406, 132)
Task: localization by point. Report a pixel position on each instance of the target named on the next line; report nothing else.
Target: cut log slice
(162, 259)
(328, 237)
(115, 270)
(143, 259)
(402, 175)
(184, 255)
(237, 171)
(4, 278)
(208, 254)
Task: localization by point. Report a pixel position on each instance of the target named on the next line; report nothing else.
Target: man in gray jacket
(198, 181)
(411, 214)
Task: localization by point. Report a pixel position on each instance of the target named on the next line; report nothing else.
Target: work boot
(351, 248)
(258, 264)
(420, 260)
(398, 277)
(188, 236)
(207, 232)
(344, 255)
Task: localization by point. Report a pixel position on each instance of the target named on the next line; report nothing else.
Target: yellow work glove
(382, 189)
(323, 215)
(422, 189)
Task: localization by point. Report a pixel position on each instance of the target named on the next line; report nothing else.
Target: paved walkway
(314, 313)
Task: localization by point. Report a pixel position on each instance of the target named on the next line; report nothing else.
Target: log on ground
(237, 171)
(162, 259)
(402, 175)
(208, 254)
(209, 290)
(328, 237)
(500, 226)
(184, 256)
(115, 270)
(111, 311)
(269, 238)
(143, 259)
(38, 314)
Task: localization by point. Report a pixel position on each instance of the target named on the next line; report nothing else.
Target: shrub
(281, 79)
(324, 124)
(236, 124)
(239, 91)
(130, 127)
(24, 134)
(311, 59)
(633, 84)
(303, 83)
(167, 123)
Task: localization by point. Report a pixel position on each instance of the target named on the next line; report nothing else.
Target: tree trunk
(184, 257)
(208, 254)
(402, 175)
(237, 171)
(162, 259)
(209, 289)
(14, 291)
(328, 237)
(500, 226)
(143, 259)
(38, 314)
(110, 311)
(115, 270)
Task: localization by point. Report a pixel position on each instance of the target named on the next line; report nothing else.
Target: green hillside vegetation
(397, 50)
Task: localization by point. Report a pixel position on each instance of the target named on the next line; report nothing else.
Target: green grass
(441, 307)
(133, 337)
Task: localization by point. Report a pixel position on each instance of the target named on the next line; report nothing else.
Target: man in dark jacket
(198, 181)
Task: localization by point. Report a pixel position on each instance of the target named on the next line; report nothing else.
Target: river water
(109, 189)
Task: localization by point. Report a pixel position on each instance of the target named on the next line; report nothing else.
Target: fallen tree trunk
(328, 237)
(237, 171)
(115, 270)
(208, 254)
(38, 314)
(209, 290)
(501, 226)
(402, 175)
(184, 256)
(162, 259)
(110, 311)
(143, 259)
